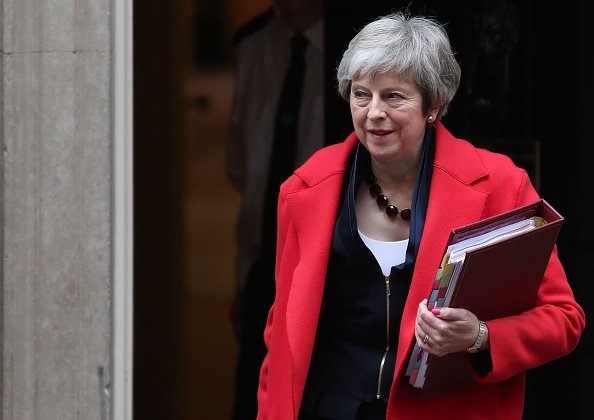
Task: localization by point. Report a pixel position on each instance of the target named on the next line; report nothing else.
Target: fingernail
(436, 311)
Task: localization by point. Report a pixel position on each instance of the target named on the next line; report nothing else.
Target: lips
(380, 132)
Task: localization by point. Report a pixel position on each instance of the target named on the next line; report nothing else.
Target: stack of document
(499, 258)
(447, 276)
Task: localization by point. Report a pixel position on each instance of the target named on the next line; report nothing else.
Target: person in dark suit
(277, 123)
(362, 226)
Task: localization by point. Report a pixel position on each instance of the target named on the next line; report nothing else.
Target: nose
(376, 109)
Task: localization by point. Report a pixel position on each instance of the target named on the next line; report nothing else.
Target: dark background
(526, 91)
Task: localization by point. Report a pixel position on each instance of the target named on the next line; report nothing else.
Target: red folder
(495, 281)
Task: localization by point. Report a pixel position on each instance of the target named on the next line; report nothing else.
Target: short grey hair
(413, 46)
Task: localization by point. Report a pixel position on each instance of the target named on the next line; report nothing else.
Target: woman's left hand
(446, 330)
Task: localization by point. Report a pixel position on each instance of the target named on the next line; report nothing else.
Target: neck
(401, 176)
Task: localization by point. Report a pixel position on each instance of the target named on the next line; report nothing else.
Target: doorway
(185, 209)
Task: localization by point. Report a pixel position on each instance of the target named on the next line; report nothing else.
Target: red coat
(468, 184)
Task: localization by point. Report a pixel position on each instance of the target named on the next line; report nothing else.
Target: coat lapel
(314, 216)
(453, 203)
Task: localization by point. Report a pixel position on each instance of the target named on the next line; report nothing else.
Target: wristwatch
(479, 338)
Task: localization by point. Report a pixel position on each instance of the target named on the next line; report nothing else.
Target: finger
(419, 333)
(447, 313)
(423, 305)
(420, 324)
(424, 340)
(452, 314)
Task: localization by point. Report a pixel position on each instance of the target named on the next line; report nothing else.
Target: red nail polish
(436, 311)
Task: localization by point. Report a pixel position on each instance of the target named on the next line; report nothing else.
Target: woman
(353, 272)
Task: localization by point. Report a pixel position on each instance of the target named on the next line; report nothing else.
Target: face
(388, 116)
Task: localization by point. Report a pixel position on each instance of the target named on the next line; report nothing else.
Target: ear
(432, 115)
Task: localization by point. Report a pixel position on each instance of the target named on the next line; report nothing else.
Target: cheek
(358, 113)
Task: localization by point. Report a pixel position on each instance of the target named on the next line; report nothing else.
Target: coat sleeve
(550, 330)
(284, 225)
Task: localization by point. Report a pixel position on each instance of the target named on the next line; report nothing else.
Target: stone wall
(56, 134)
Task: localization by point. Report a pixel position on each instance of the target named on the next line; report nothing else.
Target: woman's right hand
(446, 330)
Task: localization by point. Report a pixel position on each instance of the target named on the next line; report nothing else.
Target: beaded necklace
(382, 200)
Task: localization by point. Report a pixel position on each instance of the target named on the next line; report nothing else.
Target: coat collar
(334, 160)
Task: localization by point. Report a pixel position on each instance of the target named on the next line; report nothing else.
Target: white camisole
(387, 254)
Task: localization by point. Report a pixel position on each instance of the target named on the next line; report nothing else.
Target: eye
(395, 95)
(360, 98)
